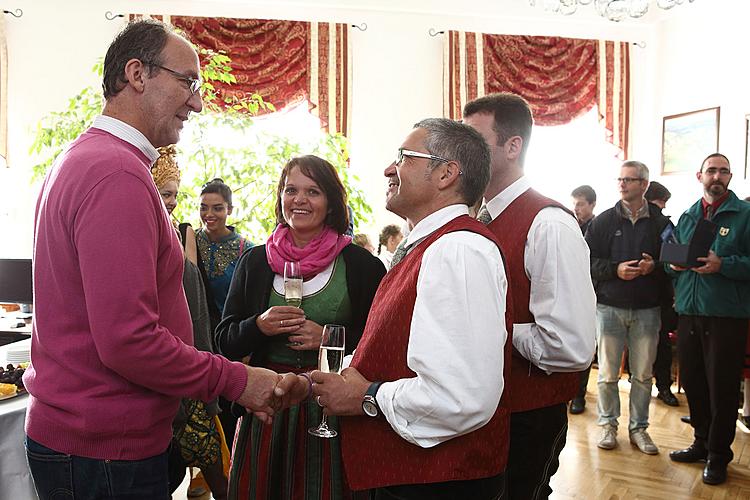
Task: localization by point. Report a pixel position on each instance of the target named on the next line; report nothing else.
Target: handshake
(267, 392)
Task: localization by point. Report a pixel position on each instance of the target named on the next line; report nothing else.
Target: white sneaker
(608, 439)
(642, 440)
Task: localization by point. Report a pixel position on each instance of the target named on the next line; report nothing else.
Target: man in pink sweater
(112, 339)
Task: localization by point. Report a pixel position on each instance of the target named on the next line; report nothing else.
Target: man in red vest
(423, 391)
(554, 307)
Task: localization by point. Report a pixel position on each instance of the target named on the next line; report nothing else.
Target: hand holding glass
(292, 284)
(330, 360)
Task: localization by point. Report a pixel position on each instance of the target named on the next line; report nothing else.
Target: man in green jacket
(713, 302)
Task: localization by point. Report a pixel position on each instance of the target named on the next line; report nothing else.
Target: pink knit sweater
(112, 342)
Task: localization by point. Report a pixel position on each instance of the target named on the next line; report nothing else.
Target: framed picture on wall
(687, 138)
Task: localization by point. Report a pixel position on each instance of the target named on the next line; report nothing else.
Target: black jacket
(238, 335)
(613, 239)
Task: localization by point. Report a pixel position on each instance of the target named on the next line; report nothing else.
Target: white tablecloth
(15, 478)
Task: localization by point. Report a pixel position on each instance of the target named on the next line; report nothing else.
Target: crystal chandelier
(614, 10)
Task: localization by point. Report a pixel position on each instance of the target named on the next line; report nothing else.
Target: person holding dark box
(713, 307)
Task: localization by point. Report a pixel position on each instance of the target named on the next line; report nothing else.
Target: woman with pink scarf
(340, 280)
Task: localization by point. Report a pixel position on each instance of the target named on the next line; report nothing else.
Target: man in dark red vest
(423, 391)
(554, 307)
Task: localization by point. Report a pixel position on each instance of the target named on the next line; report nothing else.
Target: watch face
(370, 408)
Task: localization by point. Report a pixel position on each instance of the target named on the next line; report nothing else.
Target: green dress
(283, 461)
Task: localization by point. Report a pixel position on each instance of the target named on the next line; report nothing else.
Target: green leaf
(251, 167)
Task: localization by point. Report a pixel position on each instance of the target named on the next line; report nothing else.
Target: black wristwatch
(369, 403)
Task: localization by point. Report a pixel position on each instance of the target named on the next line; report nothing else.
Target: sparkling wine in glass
(330, 360)
(292, 283)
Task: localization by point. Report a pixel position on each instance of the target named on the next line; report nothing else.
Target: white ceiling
(489, 16)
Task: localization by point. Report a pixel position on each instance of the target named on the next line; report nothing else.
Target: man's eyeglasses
(628, 180)
(403, 153)
(194, 84)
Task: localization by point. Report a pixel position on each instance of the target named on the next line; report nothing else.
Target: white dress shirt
(556, 259)
(127, 133)
(385, 257)
(456, 337)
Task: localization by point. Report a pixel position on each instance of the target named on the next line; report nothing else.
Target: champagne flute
(292, 283)
(330, 360)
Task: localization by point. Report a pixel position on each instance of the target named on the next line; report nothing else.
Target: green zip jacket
(727, 292)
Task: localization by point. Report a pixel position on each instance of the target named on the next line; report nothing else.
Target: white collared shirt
(456, 337)
(562, 299)
(127, 133)
(385, 257)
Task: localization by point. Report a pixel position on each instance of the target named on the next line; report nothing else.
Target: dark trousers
(584, 382)
(490, 488)
(711, 352)
(228, 419)
(663, 362)
(58, 476)
(536, 439)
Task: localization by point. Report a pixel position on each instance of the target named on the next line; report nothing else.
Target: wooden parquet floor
(589, 473)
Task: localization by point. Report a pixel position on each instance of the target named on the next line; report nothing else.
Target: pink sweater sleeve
(132, 281)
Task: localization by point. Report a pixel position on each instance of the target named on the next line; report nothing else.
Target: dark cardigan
(238, 334)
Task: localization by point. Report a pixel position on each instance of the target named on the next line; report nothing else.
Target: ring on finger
(281, 323)
(319, 403)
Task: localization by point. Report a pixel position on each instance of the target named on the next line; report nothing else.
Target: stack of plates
(18, 355)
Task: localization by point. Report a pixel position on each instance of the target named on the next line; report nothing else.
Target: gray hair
(642, 168)
(460, 143)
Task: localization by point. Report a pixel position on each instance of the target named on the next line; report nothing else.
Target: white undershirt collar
(127, 133)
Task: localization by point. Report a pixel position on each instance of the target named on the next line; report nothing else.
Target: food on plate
(12, 375)
(8, 389)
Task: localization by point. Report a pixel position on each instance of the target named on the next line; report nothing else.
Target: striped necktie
(709, 212)
(484, 215)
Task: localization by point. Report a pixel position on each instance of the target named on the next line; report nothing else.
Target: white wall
(397, 70)
(700, 63)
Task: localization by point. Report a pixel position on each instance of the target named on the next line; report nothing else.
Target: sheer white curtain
(3, 94)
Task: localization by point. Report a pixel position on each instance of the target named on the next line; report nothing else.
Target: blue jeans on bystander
(639, 330)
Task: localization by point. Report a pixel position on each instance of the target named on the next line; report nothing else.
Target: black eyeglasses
(403, 153)
(628, 180)
(194, 84)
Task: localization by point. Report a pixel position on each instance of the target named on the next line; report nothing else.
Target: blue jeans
(639, 330)
(58, 476)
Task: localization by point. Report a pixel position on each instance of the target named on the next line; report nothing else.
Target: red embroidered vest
(530, 387)
(374, 455)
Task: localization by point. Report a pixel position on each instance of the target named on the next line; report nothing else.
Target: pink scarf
(313, 258)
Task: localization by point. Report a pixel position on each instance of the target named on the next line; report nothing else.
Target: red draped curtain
(561, 78)
(285, 62)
